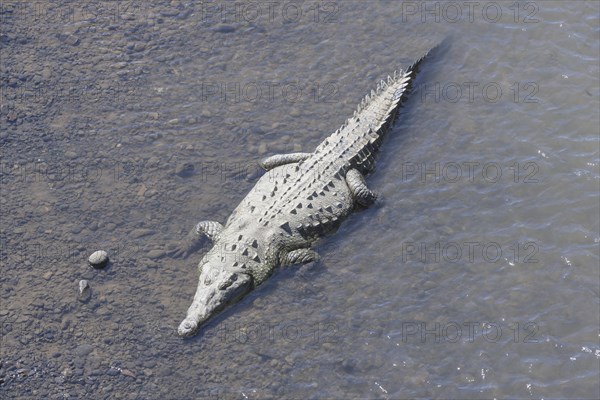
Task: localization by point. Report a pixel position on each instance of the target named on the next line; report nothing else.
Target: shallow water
(476, 277)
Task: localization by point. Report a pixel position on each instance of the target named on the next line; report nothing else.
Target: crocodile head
(217, 288)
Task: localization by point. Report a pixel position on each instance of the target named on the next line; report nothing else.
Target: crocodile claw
(194, 239)
(184, 249)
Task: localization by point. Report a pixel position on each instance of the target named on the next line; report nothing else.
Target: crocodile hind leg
(300, 256)
(191, 243)
(358, 187)
(282, 159)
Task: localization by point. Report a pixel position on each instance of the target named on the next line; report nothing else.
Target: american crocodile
(300, 198)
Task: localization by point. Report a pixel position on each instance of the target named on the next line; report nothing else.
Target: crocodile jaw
(215, 291)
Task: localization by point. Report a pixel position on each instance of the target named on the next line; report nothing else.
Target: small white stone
(84, 290)
(98, 259)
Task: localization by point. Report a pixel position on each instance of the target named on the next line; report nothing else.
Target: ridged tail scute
(357, 140)
(401, 81)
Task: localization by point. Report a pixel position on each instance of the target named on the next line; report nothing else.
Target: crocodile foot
(185, 248)
(193, 241)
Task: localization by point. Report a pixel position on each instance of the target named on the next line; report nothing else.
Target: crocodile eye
(228, 282)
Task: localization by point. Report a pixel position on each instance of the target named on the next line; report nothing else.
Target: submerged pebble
(224, 28)
(185, 170)
(98, 259)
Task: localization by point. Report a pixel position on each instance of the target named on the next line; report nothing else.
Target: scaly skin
(302, 197)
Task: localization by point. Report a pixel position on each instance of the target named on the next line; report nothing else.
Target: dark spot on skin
(286, 227)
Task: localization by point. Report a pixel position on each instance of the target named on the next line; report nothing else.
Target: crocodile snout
(187, 328)
(216, 290)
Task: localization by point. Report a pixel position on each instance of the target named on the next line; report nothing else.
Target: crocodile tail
(359, 138)
(413, 69)
(401, 81)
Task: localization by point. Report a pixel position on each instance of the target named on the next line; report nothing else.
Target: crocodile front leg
(358, 187)
(282, 159)
(191, 243)
(210, 229)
